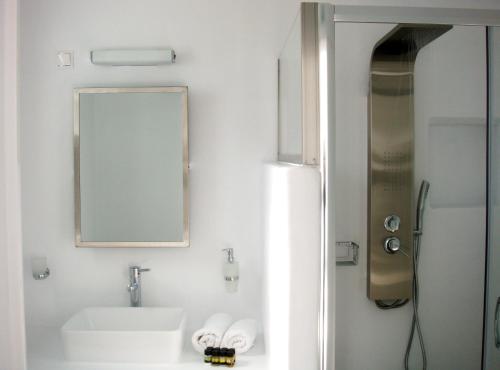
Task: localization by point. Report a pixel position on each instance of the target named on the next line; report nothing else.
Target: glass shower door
(492, 299)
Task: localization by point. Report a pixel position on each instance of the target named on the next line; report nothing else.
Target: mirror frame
(76, 146)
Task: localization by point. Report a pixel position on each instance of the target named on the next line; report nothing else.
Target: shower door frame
(376, 14)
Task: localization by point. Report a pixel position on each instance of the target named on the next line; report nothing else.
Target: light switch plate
(65, 58)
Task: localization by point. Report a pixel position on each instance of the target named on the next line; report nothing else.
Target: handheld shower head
(422, 196)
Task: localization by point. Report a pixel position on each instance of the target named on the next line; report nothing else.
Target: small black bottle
(231, 357)
(224, 355)
(208, 355)
(216, 356)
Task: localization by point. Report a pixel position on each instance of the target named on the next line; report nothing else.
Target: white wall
(12, 356)
(449, 82)
(4, 349)
(226, 55)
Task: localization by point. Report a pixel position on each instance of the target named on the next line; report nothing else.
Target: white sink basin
(125, 334)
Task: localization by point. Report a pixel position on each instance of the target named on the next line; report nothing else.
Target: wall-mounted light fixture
(132, 57)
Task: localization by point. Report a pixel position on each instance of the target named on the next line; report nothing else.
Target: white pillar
(12, 332)
(293, 266)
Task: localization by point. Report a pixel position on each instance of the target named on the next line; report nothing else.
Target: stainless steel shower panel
(390, 162)
(390, 182)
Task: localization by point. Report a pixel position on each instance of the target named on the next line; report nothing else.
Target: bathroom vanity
(46, 353)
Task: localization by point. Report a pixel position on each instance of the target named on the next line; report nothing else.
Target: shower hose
(415, 323)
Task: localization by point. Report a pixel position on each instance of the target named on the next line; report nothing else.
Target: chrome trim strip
(390, 14)
(496, 328)
(489, 194)
(326, 115)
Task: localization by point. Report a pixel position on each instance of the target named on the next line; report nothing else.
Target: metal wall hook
(42, 275)
(39, 268)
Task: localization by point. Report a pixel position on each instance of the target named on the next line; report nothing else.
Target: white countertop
(45, 352)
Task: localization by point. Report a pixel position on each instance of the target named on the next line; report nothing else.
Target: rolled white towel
(210, 335)
(241, 335)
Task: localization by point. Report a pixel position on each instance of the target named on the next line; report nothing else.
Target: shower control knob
(392, 244)
(391, 223)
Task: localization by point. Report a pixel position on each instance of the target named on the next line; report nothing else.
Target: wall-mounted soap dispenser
(231, 271)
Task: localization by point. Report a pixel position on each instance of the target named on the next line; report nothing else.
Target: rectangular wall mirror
(131, 167)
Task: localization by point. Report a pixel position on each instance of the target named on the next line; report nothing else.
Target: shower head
(422, 196)
(402, 44)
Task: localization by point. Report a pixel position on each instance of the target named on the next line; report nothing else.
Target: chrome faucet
(134, 286)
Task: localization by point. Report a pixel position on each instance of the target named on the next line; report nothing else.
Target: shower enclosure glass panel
(299, 87)
(442, 102)
(492, 301)
(449, 135)
(290, 97)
